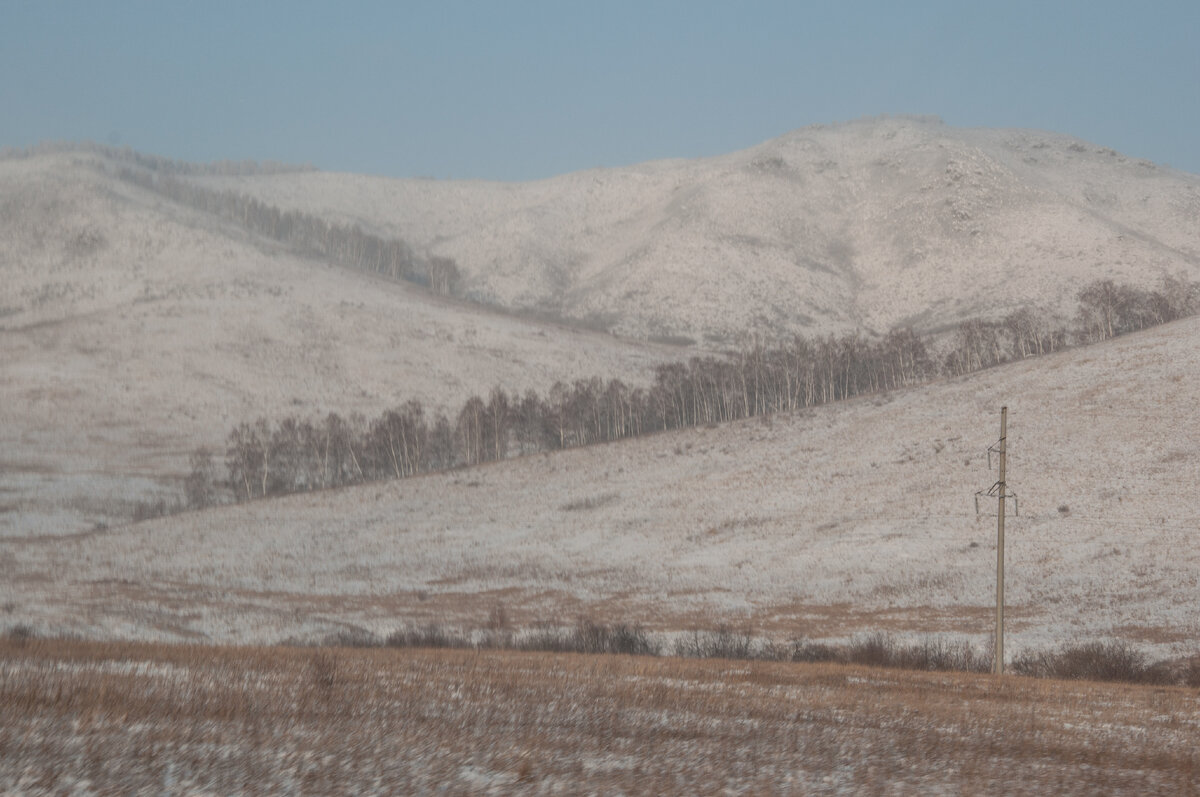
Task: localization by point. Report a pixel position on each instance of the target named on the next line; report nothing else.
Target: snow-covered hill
(133, 329)
(850, 517)
(863, 225)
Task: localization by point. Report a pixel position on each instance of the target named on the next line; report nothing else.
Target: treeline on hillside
(343, 245)
(1106, 309)
(293, 454)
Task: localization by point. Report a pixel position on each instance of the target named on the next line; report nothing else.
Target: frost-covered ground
(846, 518)
(133, 330)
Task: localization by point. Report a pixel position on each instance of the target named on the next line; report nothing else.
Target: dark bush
(881, 650)
(724, 643)
(21, 633)
(1092, 661)
(873, 650)
(591, 637)
(352, 638)
(1095, 661)
(430, 635)
(943, 656)
(814, 652)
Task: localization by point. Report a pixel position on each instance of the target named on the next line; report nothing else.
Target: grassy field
(89, 717)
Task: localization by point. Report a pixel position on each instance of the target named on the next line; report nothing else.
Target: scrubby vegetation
(1106, 660)
(87, 717)
(1102, 660)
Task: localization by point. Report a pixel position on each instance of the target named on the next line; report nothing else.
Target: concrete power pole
(998, 661)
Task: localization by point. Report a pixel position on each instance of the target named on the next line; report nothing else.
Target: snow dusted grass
(133, 330)
(851, 518)
(121, 717)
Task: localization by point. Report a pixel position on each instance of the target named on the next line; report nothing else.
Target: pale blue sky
(522, 90)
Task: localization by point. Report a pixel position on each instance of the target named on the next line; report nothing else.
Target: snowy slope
(863, 225)
(849, 517)
(133, 330)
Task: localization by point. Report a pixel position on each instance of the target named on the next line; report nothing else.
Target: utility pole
(998, 659)
(999, 490)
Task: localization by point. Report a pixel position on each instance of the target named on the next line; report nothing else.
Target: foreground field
(115, 717)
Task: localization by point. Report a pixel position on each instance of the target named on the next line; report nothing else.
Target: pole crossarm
(994, 448)
(994, 492)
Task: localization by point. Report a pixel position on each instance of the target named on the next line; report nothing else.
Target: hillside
(864, 225)
(849, 517)
(133, 330)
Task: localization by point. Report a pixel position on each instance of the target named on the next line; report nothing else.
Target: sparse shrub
(944, 656)
(881, 650)
(430, 635)
(724, 643)
(1093, 661)
(628, 639)
(814, 652)
(872, 650)
(591, 637)
(1163, 673)
(352, 638)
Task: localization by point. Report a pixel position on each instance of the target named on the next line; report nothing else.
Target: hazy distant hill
(864, 225)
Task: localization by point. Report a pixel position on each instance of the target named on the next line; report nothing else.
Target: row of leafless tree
(270, 458)
(348, 246)
(342, 245)
(1106, 309)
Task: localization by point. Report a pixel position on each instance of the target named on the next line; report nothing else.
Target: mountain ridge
(867, 225)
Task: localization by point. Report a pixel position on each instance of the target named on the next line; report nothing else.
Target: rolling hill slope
(863, 225)
(133, 329)
(845, 518)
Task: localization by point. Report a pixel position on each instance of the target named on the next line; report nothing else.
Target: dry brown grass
(122, 718)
